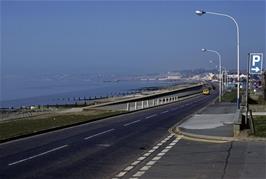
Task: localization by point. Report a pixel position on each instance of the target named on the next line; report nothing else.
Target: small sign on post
(255, 63)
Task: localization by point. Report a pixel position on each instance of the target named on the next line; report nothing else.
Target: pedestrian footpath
(219, 159)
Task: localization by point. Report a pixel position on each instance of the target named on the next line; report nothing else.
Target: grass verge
(33, 125)
(260, 126)
(229, 96)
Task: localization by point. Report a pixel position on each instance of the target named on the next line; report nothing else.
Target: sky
(127, 37)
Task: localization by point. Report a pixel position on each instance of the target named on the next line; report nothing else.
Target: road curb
(214, 139)
(199, 137)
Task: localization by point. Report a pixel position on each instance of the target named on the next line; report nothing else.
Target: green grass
(229, 96)
(260, 126)
(19, 127)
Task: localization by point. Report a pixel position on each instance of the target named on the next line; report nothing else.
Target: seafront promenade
(109, 103)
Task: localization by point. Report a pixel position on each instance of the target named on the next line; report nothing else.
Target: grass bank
(260, 126)
(33, 125)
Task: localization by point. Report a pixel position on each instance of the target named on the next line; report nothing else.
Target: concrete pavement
(216, 159)
(200, 160)
(215, 122)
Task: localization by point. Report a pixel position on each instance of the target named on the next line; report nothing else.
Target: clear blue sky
(125, 37)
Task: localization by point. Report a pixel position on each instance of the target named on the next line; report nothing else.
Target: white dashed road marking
(138, 174)
(141, 158)
(135, 163)
(38, 155)
(145, 168)
(169, 147)
(156, 158)
(130, 123)
(128, 168)
(95, 135)
(150, 163)
(164, 112)
(147, 154)
(121, 174)
(148, 117)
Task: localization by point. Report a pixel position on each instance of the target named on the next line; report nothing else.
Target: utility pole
(247, 91)
(264, 85)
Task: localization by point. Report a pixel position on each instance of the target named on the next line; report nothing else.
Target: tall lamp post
(200, 13)
(220, 70)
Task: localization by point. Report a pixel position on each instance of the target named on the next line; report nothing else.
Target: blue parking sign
(255, 63)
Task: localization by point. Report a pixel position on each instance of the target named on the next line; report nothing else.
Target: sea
(51, 93)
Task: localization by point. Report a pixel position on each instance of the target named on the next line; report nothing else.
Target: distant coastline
(107, 89)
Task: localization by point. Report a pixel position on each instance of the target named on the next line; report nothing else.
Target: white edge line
(86, 138)
(38, 155)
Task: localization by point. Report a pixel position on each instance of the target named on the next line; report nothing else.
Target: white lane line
(38, 155)
(169, 147)
(145, 168)
(130, 123)
(150, 163)
(148, 117)
(129, 168)
(121, 174)
(161, 154)
(138, 174)
(156, 158)
(155, 147)
(164, 112)
(141, 159)
(161, 143)
(165, 150)
(147, 154)
(95, 135)
(135, 163)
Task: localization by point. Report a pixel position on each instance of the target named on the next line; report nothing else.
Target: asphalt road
(95, 150)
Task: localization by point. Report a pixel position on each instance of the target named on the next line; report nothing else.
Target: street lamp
(200, 13)
(220, 70)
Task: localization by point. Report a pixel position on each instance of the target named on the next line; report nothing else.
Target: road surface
(99, 149)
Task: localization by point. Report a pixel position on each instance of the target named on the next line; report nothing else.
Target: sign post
(254, 66)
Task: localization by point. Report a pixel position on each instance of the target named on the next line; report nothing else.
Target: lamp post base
(238, 103)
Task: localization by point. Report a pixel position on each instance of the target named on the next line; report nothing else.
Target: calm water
(26, 94)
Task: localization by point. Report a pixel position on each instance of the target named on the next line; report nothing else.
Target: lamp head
(200, 12)
(204, 50)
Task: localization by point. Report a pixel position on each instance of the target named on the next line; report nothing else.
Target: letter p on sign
(255, 59)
